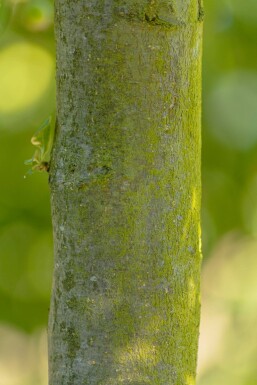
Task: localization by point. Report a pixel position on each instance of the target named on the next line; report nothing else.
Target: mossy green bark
(125, 190)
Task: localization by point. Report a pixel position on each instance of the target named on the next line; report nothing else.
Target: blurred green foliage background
(228, 340)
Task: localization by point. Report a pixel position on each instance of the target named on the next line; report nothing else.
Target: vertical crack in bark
(200, 10)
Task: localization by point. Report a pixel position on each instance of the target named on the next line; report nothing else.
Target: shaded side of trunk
(125, 190)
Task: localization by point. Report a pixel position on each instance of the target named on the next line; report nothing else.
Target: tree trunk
(125, 191)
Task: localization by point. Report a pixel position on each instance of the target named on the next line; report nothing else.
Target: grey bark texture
(125, 193)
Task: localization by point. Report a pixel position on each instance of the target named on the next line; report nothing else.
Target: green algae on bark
(125, 191)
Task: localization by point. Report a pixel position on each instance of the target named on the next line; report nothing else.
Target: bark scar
(159, 14)
(170, 22)
(162, 14)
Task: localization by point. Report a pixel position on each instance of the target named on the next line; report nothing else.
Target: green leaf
(42, 140)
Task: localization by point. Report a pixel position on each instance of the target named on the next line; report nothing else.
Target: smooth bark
(125, 191)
